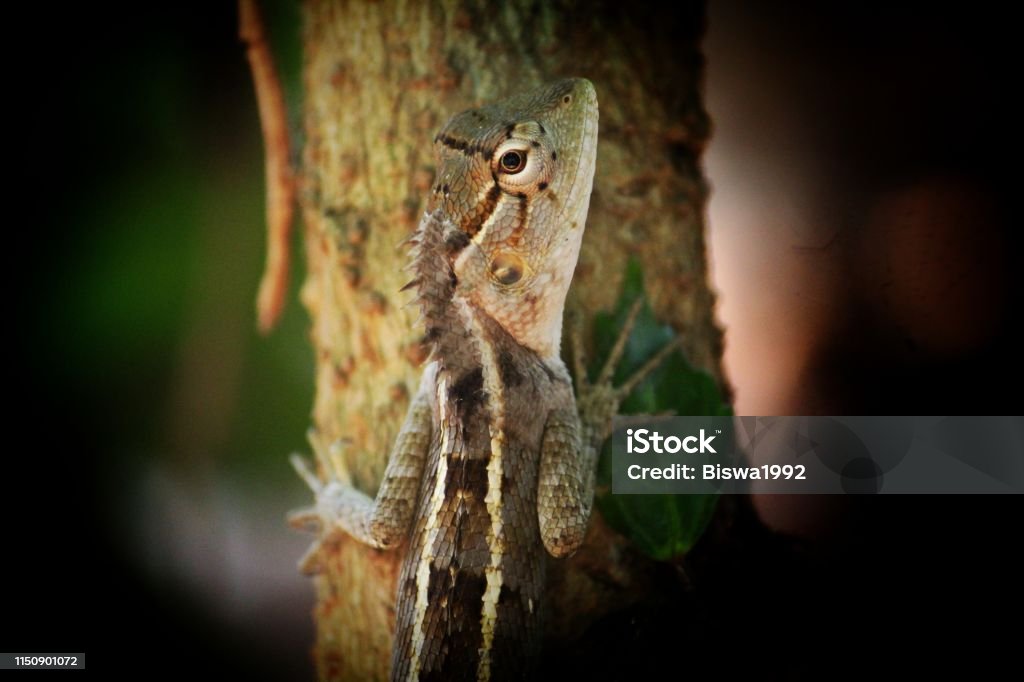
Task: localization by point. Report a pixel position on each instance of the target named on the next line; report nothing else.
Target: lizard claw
(305, 472)
(307, 519)
(612, 361)
(579, 364)
(311, 562)
(329, 457)
(318, 518)
(599, 401)
(634, 380)
(310, 519)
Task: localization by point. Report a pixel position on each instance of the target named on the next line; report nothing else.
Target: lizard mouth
(586, 100)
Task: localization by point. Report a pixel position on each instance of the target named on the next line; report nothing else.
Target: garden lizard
(495, 463)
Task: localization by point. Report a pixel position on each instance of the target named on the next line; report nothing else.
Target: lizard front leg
(382, 522)
(572, 441)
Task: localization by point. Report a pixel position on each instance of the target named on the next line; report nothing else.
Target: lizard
(495, 462)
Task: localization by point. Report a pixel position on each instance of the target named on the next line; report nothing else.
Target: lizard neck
(471, 588)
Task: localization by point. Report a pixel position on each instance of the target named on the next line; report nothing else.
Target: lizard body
(493, 466)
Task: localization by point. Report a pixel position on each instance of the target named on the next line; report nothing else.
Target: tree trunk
(380, 78)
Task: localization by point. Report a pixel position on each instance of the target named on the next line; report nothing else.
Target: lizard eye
(516, 168)
(513, 161)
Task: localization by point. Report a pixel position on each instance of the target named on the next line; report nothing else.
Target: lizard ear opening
(507, 268)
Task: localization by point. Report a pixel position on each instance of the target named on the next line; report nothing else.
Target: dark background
(863, 242)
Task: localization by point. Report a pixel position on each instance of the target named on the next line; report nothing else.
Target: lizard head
(515, 178)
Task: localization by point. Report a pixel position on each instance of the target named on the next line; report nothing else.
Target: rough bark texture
(380, 78)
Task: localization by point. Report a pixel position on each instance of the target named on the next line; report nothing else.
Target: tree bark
(380, 78)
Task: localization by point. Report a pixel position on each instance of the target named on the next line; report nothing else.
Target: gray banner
(818, 455)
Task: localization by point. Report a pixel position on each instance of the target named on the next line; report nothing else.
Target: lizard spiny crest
(432, 252)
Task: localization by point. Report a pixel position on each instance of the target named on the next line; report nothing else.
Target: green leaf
(662, 526)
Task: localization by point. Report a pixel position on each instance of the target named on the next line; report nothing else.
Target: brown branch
(279, 174)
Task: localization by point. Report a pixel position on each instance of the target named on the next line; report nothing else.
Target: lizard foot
(598, 402)
(321, 517)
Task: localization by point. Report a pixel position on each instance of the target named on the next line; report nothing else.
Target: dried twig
(279, 173)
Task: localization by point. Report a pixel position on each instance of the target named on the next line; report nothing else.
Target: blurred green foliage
(149, 301)
(662, 526)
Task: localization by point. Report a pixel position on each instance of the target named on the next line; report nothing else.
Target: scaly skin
(494, 464)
